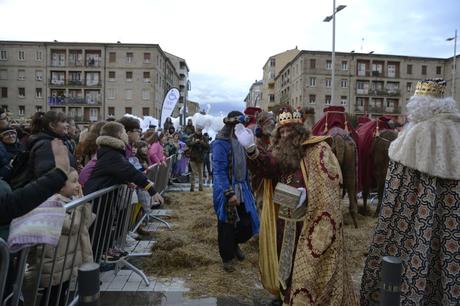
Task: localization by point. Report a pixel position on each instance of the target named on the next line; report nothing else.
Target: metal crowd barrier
(46, 275)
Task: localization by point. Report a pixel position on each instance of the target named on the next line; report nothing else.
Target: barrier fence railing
(95, 229)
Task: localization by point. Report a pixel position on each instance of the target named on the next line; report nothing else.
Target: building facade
(253, 98)
(271, 69)
(87, 81)
(373, 84)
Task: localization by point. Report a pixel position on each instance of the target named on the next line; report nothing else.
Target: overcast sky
(226, 43)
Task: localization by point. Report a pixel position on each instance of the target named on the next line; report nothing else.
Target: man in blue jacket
(233, 199)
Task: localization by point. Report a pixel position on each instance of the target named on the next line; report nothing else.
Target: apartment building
(271, 69)
(88, 81)
(374, 84)
(253, 98)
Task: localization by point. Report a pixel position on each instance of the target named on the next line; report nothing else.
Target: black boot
(239, 254)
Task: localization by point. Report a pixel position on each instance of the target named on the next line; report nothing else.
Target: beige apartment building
(253, 98)
(374, 84)
(88, 81)
(271, 69)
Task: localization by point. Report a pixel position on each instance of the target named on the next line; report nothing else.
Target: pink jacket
(156, 154)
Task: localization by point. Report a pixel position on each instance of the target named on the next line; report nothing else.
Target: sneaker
(239, 254)
(228, 266)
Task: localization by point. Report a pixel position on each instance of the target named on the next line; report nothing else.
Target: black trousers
(230, 235)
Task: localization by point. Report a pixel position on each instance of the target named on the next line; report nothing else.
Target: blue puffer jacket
(222, 155)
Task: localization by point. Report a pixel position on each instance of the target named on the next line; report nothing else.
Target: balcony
(58, 63)
(93, 83)
(60, 100)
(379, 92)
(93, 62)
(75, 83)
(377, 109)
(57, 82)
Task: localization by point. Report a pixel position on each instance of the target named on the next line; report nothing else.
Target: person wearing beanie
(133, 130)
(419, 221)
(9, 147)
(234, 203)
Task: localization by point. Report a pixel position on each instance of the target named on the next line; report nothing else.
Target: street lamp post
(327, 19)
(454, 68)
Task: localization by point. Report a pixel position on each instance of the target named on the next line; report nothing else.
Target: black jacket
(113, 168)
(41, 159)
(22, 200)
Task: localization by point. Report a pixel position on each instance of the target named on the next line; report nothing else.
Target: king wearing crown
(420, 217)
(305, 202)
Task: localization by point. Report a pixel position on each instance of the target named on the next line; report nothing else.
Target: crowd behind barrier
(46, 275)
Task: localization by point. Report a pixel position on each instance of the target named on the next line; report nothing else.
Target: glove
(303, 196)
(245, 136)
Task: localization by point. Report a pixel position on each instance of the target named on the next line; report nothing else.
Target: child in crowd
(79, 249)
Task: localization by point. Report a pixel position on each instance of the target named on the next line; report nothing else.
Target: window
(111, 111)
(111, 75)
(272, 62)
(21, 92)
(128, 110)
(409, 87)
(328, 65)
(129, 94)
(147, 57)
(129, 76)
(4, 108)
(145, 111)
(312, 99)
(361, 69)
(327, 100)
(343, 100)
(438, 69)
(360, 101)
(38, 56)
(111, 93)
(38, 108)
(3, 74)
(129, 57)
(21, 55)
(409, 69)
(22, 110)
(146, 76)
(328, 83)
(112, 57)
(3, 55)
(145, 94)
(344, 83)
(38, 92)
(271, 98)
(38, 75)
(21, 74)
(344, 65)
(4, 92)
(312, 63)
(312, 82)
(391, 70)
(423, 69)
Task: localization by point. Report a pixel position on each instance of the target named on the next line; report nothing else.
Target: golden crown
(287, 117)
(431, 87)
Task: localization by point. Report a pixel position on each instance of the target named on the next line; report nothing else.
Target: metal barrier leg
(162, 221)
(135, 270)
(4, 264)
(88, 285)
(20, 276)
(391, 281)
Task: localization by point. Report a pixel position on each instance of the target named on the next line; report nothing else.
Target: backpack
(21, 169)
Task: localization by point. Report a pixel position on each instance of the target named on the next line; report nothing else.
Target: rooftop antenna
(362, 44)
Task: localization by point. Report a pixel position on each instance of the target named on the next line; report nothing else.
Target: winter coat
(79, 247)
(189, 129)
(113, 168)
(7, 153)
(156, 153)
(16, 203)
(198, 146)
(41, 159)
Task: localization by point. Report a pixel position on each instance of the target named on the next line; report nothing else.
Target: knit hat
(6, 130)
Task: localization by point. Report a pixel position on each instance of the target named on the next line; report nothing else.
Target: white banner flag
(169, 103)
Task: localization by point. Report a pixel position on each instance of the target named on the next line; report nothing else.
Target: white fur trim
(430, 146)
(111, 142)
